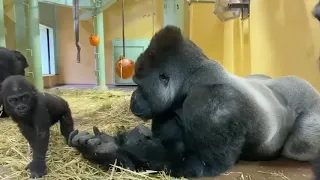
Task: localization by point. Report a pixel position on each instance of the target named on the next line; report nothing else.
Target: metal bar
(201, 1)
(239, 5)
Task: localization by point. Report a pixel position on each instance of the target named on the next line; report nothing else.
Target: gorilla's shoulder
(216, 95)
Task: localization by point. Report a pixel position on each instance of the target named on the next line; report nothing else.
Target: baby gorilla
(35, 113)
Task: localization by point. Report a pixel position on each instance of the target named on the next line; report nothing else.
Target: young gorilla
(35, 112)
(11, 63)
(219, 117)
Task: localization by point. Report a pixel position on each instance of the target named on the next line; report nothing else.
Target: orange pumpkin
(94, 40)
(124, 68)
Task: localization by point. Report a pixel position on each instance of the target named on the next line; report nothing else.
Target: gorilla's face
(156, 92)
(18, 95)
(158, 75)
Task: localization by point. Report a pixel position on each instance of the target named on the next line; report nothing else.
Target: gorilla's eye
(13, 100)
(164, 79)
(25, 97)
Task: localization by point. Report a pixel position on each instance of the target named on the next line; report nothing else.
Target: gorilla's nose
(22, 108)
(136, 109)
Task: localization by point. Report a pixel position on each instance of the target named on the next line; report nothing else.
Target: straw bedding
(109, 110)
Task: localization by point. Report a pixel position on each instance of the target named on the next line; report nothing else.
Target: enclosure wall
(284, 39)
(280, 38)
(138, 25)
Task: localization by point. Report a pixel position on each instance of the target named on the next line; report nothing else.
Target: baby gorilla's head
(18, 95)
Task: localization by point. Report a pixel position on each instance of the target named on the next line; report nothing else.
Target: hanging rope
(94, 15)
(123, 42)
(76, 27)
(153, 14)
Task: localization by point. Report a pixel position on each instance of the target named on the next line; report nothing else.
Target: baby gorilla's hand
(38, 169)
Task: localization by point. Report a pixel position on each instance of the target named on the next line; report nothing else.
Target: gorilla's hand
(99, 148)
(92, 146)
(38, 169)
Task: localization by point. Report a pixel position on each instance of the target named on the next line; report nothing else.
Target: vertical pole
(98, 23)
(229, 46)
(21, 29)
(2, 27)
(34, 39)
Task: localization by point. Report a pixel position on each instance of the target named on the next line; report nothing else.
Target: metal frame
(244, 6)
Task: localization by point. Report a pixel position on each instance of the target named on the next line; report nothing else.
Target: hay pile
(108, 110)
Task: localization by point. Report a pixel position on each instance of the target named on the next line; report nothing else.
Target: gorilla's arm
(214, 130)
(99, 150)
(135, 149)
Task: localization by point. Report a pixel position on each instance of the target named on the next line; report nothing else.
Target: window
(47, 50)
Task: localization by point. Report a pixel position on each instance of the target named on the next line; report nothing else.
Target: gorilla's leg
(303, 144)
(135, 149)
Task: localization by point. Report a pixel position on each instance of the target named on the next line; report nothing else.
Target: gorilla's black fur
(12, 62)
(35, 112)
(207, 118)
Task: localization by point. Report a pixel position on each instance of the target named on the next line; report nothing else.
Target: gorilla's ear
(167, 38)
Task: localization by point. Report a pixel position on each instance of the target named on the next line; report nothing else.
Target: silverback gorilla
(205, 119)
(35, 112)
(316, 163)
(12, 62)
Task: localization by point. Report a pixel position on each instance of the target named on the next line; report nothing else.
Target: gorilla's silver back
(278, 103)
